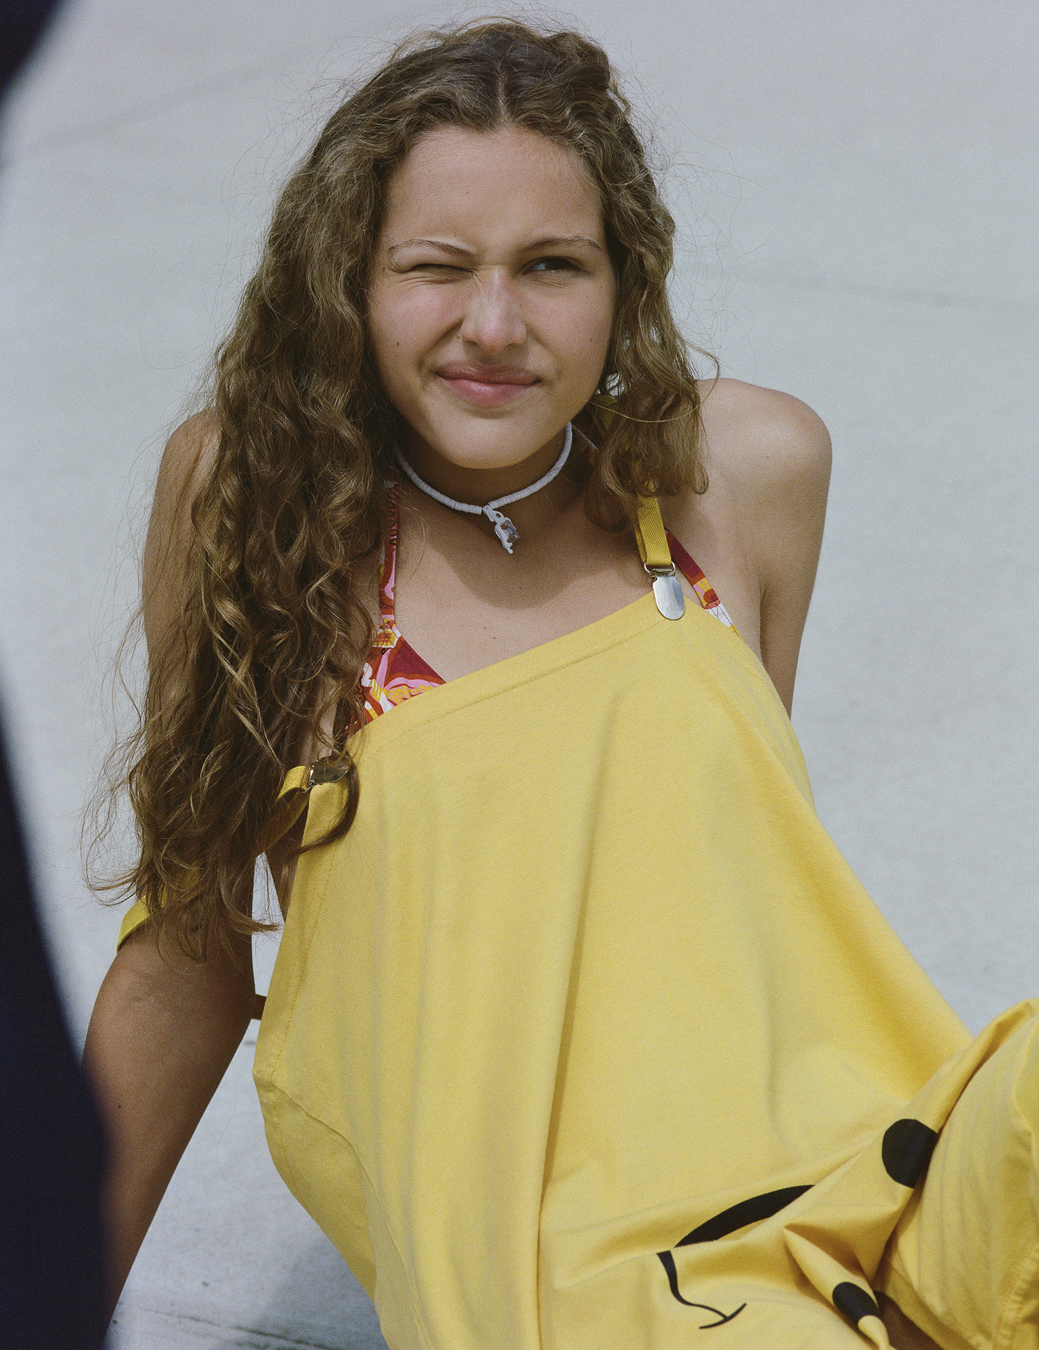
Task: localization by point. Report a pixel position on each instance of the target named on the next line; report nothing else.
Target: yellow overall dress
(585, 1037)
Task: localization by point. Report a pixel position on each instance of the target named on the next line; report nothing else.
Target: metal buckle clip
(322, 771)
(667, 591)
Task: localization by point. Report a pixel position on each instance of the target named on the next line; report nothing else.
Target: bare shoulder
(759, 440)
(767, 457)
(184, 467)
(186, 460)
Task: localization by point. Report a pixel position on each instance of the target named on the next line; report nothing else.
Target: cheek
(585, 335)
(391, 348)
(405, 325)
(380, 329)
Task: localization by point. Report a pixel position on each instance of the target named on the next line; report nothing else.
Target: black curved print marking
(853, 1301)
(755, 1209)
(668, 1262)
(907, 1149)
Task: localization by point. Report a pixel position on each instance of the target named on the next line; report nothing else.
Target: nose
(493, 318)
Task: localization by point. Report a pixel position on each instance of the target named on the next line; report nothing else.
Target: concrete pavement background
(857, 186)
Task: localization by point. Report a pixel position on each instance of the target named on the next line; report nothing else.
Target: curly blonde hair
(274, 627)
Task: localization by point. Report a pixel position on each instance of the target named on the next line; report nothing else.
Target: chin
(487, 446)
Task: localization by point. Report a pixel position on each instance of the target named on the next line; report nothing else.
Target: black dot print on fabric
(907, 1149)
(853, 1301)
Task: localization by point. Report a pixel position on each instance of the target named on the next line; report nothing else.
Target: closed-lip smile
(486, 386)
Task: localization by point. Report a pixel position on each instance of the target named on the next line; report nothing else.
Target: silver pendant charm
(503, 528)
(667, 592)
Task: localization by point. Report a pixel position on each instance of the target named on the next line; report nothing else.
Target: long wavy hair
(275, 625)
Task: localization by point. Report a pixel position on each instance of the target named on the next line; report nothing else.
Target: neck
(499, 510)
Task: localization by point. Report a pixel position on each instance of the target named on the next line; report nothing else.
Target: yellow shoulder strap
(651, 536)
(292, 799)
(288, 807)
(656, 558)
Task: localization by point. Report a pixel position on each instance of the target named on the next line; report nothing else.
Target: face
(490, 304)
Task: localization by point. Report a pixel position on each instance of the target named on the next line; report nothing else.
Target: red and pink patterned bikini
(394, 671)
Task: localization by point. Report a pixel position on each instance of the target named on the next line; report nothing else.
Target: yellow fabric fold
(585, 1036)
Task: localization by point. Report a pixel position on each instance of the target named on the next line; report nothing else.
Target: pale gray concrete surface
(857, 184)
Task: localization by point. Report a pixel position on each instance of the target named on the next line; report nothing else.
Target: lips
(477, 374)
(487, 386)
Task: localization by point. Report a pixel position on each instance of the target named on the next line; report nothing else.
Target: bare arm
(164, 1028)
(769, 466)
(789, 516)
(163, 1032)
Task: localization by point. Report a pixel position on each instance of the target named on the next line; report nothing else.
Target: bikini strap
(667, 590)
(657, 560)
(388, 571)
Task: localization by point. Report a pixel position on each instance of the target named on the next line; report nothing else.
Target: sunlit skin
(490, 305)
(490, 308)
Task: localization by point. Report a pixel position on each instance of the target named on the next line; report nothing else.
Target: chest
(464, 618)
(464, 604)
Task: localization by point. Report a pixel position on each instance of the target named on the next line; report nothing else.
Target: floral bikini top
(394, 671)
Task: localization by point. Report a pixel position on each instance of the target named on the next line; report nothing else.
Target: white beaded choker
(503, 526)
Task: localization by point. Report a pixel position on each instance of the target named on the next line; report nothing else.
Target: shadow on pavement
(316, 1303)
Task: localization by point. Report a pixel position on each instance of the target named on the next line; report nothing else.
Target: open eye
(554, 264)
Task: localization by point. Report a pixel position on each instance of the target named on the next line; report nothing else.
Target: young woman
(581, 1034)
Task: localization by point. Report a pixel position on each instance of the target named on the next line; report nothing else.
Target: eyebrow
(557, 241)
